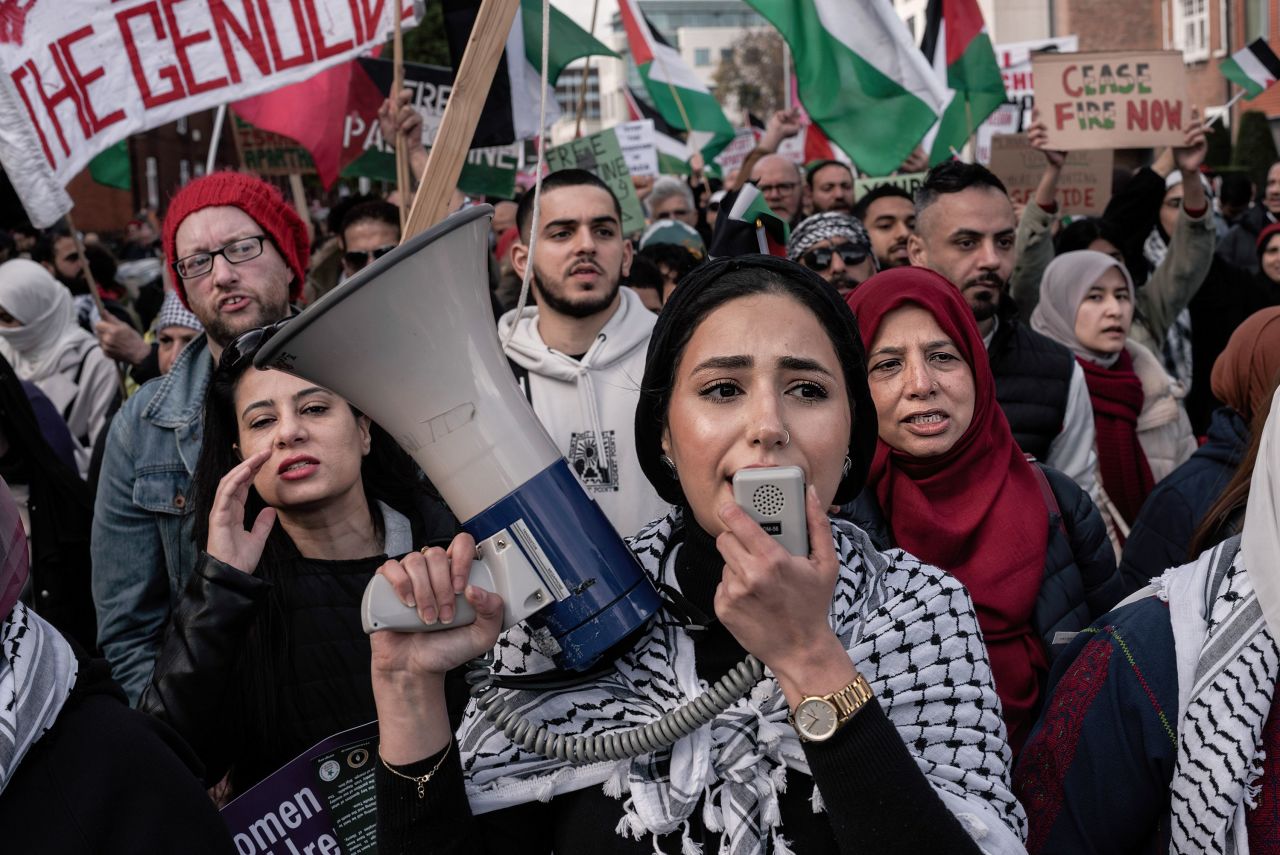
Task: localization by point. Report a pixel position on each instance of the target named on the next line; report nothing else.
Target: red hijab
(977, 510)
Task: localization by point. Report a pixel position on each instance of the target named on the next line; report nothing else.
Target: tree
(426, 42)
(1255, 147)
(751, 77)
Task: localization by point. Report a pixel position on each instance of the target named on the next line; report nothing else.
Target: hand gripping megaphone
(411, 342)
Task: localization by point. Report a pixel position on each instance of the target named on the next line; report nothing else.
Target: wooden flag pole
(458, 125)
(397, 84)
(93, 292)
(586, 76)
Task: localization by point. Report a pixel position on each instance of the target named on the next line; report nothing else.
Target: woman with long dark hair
(297, 499)
(754, 362)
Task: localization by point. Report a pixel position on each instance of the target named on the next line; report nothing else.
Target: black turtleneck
(699, 567)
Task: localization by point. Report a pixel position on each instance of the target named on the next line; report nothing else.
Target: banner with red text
(80, 75)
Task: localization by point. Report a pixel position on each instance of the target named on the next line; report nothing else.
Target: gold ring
(423, 551)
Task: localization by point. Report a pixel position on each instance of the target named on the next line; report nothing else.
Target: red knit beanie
(1265, 235)
(259, 200)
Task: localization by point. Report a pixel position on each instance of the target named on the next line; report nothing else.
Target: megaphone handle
(381, 609)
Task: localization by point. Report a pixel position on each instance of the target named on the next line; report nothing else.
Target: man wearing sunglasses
(239, 255)
(836, 247)
(369, 231)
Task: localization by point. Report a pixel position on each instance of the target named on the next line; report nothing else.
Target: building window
(1255, 20)
(726, 54)
(701, 56)
(1191, 29)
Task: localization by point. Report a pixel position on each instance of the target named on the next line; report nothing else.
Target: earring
(848, 465)
(671, 465)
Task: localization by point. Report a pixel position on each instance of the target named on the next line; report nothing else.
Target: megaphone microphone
(411, 342)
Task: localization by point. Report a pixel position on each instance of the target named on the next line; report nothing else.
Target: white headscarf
(48, 331)
(1062, 289)
(1260, 544)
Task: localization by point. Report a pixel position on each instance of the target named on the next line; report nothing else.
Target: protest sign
(732, 156)
(269, 154)
(1014, 116)
(488, 171)
(908, 181)
(600, 154)
(1118, 99)
(637, 142)
(1084, 185)
(80, 75)
(322, 802)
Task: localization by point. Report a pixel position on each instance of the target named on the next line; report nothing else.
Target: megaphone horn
(411, 342)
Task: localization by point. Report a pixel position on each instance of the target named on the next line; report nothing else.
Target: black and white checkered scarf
(910, 629)
(37, 671)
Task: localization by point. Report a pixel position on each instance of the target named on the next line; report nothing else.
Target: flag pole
(786, 75)
(215, 137)
(586, 75)
(1226, 108)
(397, 83)
(93, 292)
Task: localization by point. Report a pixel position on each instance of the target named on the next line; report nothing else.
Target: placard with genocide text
(1084, 185)
(1115, 99)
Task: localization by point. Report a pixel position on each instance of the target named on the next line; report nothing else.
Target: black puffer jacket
(255, 668)
(1081, 581)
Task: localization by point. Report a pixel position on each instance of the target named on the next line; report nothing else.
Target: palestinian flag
(956, 44)
(860, 76)
(676, 91)
(1254, 68)
(673, 154)
(568, 41)
(750, 227)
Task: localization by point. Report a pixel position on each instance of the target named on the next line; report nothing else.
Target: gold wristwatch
(818, 717)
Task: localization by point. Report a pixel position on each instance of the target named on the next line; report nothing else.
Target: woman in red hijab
(949, 485)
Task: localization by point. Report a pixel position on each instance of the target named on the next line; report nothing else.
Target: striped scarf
(910, 629)
(37, 672)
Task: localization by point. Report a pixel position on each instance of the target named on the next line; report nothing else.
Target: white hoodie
(590, 404)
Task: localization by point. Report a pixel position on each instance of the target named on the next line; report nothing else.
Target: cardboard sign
(83, 74)
(638, 145)
(600, 154)
(908, 181)
(1121, 99)
(1084, 185)
(1014, 116)
(732, 155)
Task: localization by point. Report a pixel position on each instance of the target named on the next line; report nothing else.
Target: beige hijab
(1260, 544)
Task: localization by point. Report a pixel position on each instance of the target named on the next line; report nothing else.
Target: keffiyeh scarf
(910, 629)
(1175, 351)
(37, 671)
(1227, 666)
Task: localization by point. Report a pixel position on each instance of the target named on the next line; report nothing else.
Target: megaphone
(411, 342)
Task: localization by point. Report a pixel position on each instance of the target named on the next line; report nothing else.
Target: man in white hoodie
(579, 355)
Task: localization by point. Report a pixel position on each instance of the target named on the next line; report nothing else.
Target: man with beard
(889, 213)
(836, 247)
(965, 228)
(239, 255)
(580, 354)
(829, 185)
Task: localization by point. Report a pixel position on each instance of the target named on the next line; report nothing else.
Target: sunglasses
(820, 259)
(359, 259)
(246, 345)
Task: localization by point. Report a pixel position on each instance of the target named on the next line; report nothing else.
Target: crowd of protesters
(1041, 467)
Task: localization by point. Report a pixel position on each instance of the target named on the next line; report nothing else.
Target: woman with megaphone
(876, 727)
(297, 499)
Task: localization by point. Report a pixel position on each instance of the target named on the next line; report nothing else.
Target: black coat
(1162, 532)
(106, 779)
(1240, 247)
(1081, 582)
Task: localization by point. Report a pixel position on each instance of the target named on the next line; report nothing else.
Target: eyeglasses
(713, 207)
(820, 259)
(247, 344)
(236, 252)
(784, 187)
(358, 259)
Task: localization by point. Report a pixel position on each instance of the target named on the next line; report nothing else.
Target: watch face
(816, 719)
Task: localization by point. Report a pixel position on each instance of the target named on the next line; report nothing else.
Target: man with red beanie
(239, 254)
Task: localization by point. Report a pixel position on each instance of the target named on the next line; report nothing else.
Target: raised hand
(229, 542)
(1189, 156)
(120, 341)
(1038, 137)
(783, 124)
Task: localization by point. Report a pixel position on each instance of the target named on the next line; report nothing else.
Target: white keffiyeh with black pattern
(37, 671)
(910, 629)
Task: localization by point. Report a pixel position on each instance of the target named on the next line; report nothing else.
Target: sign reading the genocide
(1084, 185)
(600, 154)
(1122, 99)
(908, 181)
(82, 75)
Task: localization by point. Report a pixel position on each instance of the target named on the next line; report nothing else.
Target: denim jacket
(142, 545)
